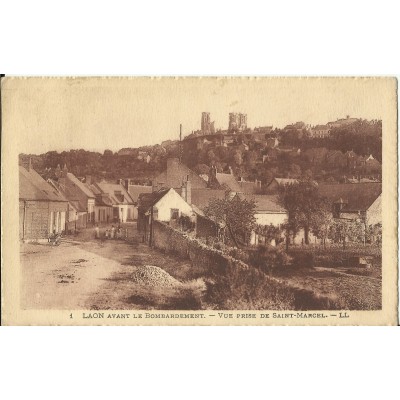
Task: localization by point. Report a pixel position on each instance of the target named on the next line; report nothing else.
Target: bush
(268, 257)
(304, 259)
(247, 290)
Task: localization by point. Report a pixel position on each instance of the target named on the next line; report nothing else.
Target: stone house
(79, 195)
(320, 131)
(361, 201)
(42, 210)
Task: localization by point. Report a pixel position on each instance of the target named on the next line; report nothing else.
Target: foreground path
(60, 277)
(84, 273)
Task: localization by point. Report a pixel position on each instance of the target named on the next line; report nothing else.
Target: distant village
(62, 202)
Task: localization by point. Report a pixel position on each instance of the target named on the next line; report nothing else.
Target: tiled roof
(228, 181)
(136, 190)
(112, 190)
(201, 197)
(33, 187)
(248, 187)
(265, 203)
(146, 200)
(80, 185)
(357, 197)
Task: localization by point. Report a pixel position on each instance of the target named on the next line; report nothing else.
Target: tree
(238, 158)
(301, 201)
(321, 223)
(235, 214)
(202, 169)
(269, 233)
(343, 230)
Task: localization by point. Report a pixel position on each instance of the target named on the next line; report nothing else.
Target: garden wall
(236, 284)
(204, 259)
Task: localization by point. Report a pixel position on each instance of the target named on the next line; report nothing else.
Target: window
(174, 213)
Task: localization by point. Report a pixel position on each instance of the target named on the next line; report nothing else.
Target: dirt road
(84, 273)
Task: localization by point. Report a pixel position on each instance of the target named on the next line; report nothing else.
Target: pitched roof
(321, 127)
(81, 186)
(136, 190)
(33, 187)
(356, 197)
(201, 197)
(176, 173)
(265, 203)
(248, 187)
(146, 200)
(116, 192)
(228, 181)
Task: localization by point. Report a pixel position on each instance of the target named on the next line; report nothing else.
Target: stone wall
(211, 262)
(204, 259)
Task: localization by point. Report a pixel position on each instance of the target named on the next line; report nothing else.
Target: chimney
(126, 184)
(88, 180)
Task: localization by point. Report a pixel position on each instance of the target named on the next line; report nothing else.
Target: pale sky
(99, 113)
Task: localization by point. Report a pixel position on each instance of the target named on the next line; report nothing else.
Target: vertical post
(151, 228)
(24, 222)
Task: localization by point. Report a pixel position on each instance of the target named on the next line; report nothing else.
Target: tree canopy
(236, 214)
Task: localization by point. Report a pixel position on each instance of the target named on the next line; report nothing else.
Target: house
(362, 201)
(223, 181)
(124, 208)
(320, 131)
(228, 140)
(274, 186)
(165, 205)
(268, 212)
(77, 193)
(200, 198)
(342, 122)
(369, 164)
(250, 187)
(76, 218)
(297, 129)
(103, 206)
(135, 190)
(42, 210)
(175, 174)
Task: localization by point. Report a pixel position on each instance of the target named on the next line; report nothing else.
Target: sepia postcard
(199, 201)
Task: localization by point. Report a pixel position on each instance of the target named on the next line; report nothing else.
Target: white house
(124, 208)
(268, 212)
(165, 205)
(171, 206)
